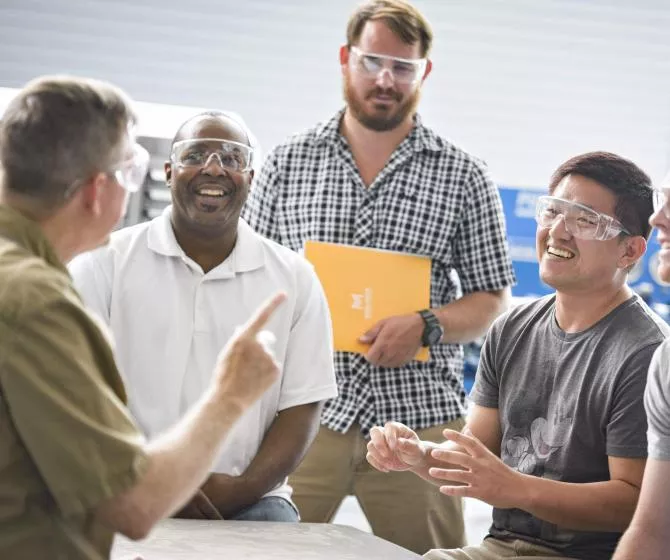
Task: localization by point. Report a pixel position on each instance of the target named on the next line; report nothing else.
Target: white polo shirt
(170, 321)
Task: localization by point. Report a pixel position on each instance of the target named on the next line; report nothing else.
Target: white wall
(523, 83)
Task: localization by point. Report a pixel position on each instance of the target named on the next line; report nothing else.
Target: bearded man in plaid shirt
(375, 176)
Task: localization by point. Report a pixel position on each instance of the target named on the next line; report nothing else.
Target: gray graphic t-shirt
(567, 401)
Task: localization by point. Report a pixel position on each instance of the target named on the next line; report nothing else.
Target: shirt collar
(248, 253)
(28, 234)
(419, 139)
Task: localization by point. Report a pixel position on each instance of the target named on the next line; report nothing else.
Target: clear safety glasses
(197, 152)
(662, 196)
(580, 221)
(131, 173)
(403, 70)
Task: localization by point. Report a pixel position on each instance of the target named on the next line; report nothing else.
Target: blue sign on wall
(519, 209)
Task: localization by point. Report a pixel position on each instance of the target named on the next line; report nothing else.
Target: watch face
(433, 336)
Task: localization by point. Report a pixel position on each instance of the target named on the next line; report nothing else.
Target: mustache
(380, 91)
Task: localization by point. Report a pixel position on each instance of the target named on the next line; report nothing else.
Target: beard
(383, 120)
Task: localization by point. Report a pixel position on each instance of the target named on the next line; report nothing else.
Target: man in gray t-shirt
(648, 537)
(567, 402)
(555, 438)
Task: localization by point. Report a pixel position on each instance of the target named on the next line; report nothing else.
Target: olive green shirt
(67, 441)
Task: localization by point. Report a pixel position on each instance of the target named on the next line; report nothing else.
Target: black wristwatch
(432, 330)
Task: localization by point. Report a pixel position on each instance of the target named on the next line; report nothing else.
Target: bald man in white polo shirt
(173, 291)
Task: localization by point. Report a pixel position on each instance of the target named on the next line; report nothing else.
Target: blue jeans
(270, 508)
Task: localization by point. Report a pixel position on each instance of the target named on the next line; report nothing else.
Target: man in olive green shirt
(74, 469)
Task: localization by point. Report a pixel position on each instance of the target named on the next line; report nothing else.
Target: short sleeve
(64, 397)
(92, 274)
(657, 404)
(259, 210)
(309, 374)
(486, 389)
(481, 252)
(627, 422)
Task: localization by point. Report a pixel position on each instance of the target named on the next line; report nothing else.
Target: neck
(63, 238)
(373, 144)
(578, 312)
(208, 247)
(60, 229)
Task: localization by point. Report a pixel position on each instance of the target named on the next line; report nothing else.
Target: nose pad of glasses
(385, 78)
(218, 160)
(554, 227)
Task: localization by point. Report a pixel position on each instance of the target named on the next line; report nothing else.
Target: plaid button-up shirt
(430, 199)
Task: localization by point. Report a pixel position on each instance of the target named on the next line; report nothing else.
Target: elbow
(132, 522)
(137, 530)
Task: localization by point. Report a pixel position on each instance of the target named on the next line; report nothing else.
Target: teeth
(210, 192)
(560, 252)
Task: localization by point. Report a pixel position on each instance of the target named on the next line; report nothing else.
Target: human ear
(91, 193)
(632, 248)
(167, 166)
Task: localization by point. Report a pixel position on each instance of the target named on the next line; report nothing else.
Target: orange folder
(364, 285)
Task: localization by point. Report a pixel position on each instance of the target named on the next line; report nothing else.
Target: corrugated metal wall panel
(522, 83)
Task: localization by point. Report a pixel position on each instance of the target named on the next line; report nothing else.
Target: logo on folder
(364, 285)
(363, 302)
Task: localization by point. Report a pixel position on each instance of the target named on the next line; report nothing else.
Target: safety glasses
(130, 174)
(403, 70)
(197, 153)
(662, 196)
(580, 221)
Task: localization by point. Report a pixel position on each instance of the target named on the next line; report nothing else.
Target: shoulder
(40, 308)
(522, 316)
(460, 172)
(124, 238)
(449, 150)
(280, 258)
(636, 326)
(281, 265)
(28, 284)
(662, 354)
(306, 143)
(120, 244)
(657, 382)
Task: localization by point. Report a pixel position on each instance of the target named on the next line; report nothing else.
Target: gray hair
(58, 132)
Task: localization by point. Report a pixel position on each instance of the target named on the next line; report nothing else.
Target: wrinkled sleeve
(309, 374)
(486, 389)
(627, 421)
(64, 396)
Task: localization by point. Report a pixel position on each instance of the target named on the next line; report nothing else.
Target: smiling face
(661, 222)
(380, 102)
(573, 265)
(207, 197)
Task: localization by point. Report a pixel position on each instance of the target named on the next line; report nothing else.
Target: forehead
(588, 192)
(214, 127)
(377, 37)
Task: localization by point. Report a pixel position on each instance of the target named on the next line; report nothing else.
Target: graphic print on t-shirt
(540, 435)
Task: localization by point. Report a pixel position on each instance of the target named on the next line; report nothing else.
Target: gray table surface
(181, 539)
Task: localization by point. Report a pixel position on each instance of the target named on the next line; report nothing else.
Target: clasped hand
(467, 466)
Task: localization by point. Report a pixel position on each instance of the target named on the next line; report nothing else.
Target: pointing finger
(260, 318)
